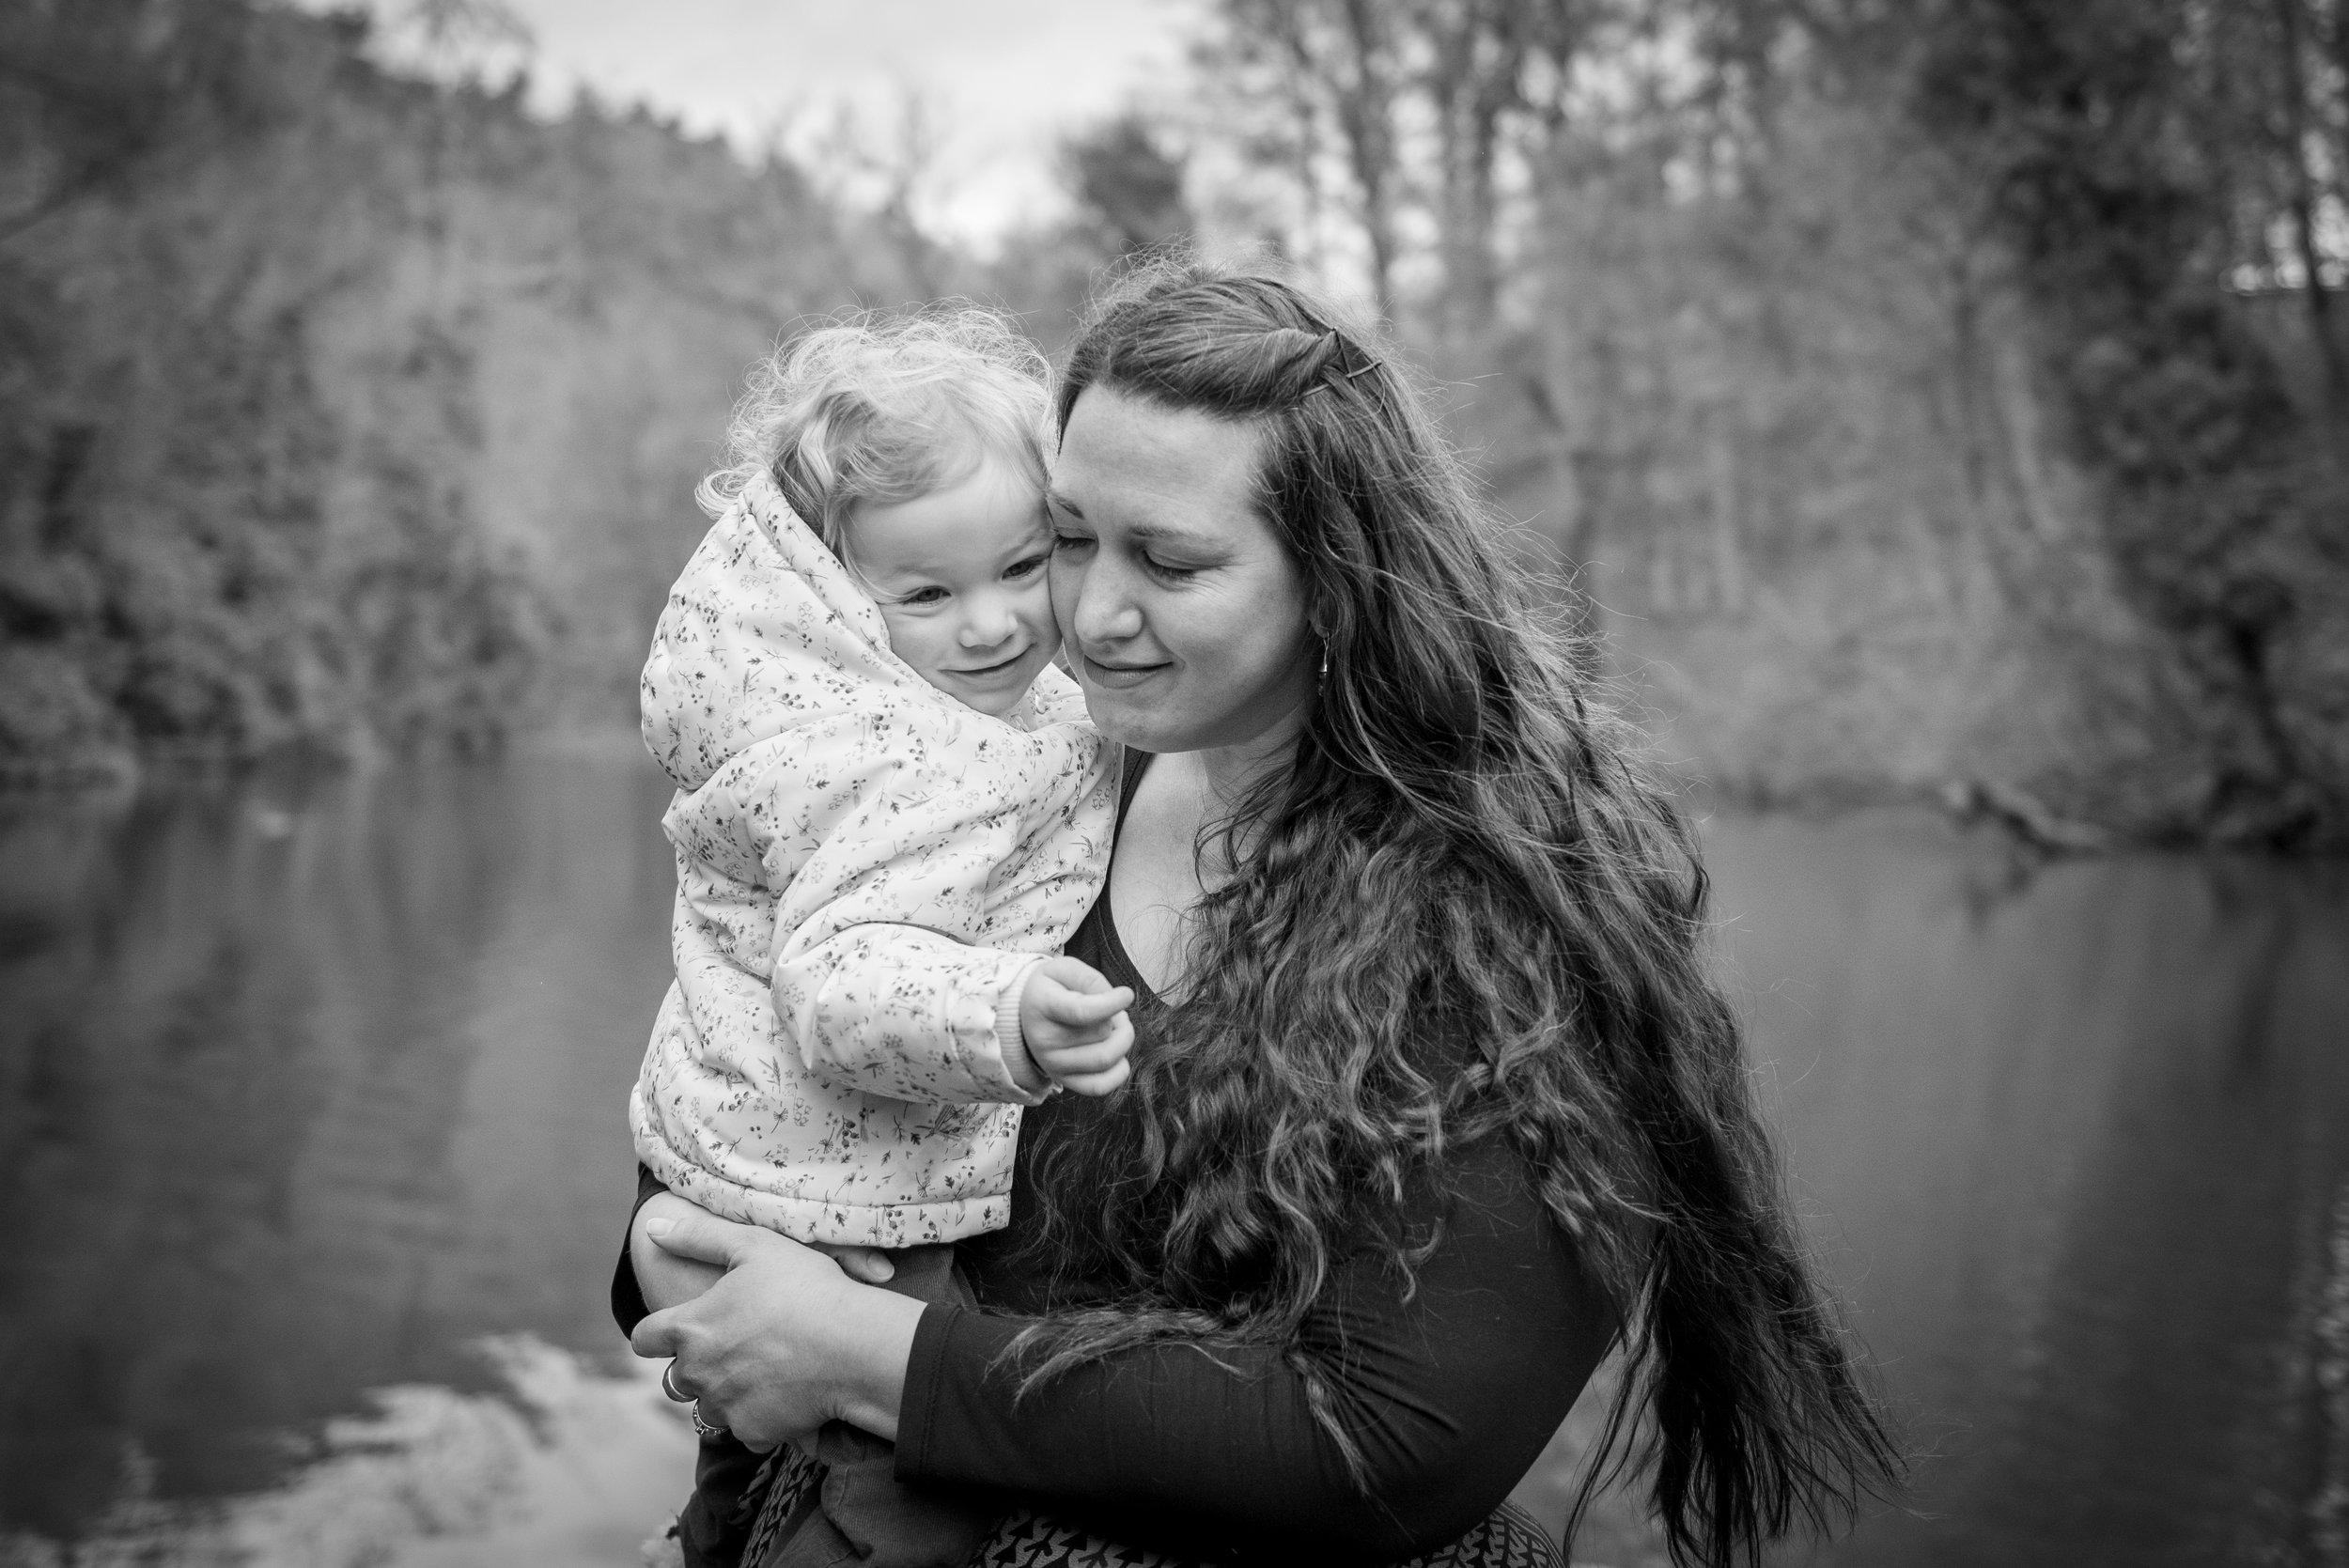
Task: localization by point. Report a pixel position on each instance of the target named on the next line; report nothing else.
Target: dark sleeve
(1451, 1392)
(628, 1296)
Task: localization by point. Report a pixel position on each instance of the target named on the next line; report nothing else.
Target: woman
(1431, 1096)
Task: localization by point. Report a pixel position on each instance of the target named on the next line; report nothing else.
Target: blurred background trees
(346, 409)
(1949, 394)
(1945, 391)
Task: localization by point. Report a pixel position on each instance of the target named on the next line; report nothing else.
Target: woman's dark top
(1450, 1392)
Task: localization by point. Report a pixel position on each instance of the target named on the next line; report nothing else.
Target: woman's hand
(785, 1342)
(663, 1277)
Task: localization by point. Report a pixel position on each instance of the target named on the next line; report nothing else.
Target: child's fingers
(1106, 1081)
(1074, 973)
(1092, 1057)
(1078, 1008)
(1056, 1035)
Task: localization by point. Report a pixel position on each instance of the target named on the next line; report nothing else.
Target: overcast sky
(1007, 76)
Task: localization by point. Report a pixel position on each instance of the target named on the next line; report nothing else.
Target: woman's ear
(1321, 626)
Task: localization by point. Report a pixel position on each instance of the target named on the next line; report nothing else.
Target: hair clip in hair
(1344, 349)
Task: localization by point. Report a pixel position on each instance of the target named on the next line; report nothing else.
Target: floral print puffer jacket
(866, 870)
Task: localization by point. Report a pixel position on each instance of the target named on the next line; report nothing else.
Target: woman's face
(1181, 614)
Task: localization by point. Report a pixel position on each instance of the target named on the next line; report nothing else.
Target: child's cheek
(928, 650)
(1042, 622)
(908, 639)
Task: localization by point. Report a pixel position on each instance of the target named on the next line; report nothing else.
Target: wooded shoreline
(1955, 411)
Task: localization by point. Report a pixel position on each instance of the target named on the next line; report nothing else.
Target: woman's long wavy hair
(1464, 912)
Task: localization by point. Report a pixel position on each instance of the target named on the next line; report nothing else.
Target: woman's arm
(1451, 1394)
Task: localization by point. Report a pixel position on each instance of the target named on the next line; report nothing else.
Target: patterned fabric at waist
(1025, 1538)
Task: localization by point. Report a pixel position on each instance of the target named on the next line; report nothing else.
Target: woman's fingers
(659, 1335)
(867, 1264)
(706, 1238)
(760, 1351)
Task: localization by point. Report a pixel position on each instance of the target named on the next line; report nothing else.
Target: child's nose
(989, 622)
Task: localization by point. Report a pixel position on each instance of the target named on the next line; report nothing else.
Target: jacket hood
(764, 630)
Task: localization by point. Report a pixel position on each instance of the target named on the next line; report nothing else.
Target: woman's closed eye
(1169, 571)
(1065, 543)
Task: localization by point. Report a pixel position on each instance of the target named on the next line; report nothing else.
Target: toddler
(890, 815)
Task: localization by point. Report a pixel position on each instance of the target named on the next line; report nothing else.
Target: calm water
(306, 1087)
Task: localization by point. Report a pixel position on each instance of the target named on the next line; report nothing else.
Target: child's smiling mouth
(1000, 667)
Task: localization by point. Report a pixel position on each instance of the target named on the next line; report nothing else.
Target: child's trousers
(865, 1517)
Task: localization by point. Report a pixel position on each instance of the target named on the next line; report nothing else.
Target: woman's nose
(1103, 611)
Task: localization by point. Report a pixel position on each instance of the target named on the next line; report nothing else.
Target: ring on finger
(668, 1385)
(706, 1428)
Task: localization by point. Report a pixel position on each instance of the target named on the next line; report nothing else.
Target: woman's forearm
(1149, 1446)
(1448, 1391)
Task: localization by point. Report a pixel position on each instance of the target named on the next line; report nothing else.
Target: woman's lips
(1118, 677)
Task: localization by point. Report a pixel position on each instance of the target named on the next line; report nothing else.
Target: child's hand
(1075, 1024)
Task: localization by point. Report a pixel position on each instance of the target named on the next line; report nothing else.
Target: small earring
(1325, 661)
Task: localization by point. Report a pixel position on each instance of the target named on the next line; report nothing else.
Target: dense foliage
(1943, 390)
(341, 410)
(1936, 395)
(2164, 175)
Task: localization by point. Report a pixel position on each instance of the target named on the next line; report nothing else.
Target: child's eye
(925, 597)
(1027, 566)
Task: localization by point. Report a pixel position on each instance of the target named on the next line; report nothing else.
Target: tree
(889, 174)
(1476, 60)
(2143, 157)
(1127, 184)
(1332, 69)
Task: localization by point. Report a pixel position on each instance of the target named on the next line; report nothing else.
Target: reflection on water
(2079, 1149)
(305, 1088)
(563, 1465)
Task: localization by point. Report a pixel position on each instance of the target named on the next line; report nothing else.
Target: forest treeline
(1949, 396)
(344, 410)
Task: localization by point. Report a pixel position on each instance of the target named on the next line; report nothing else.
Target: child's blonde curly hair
(874, 408)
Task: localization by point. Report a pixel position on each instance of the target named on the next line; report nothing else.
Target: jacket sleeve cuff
(1023, 1068)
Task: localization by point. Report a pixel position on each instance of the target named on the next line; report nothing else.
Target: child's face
(959, 577)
